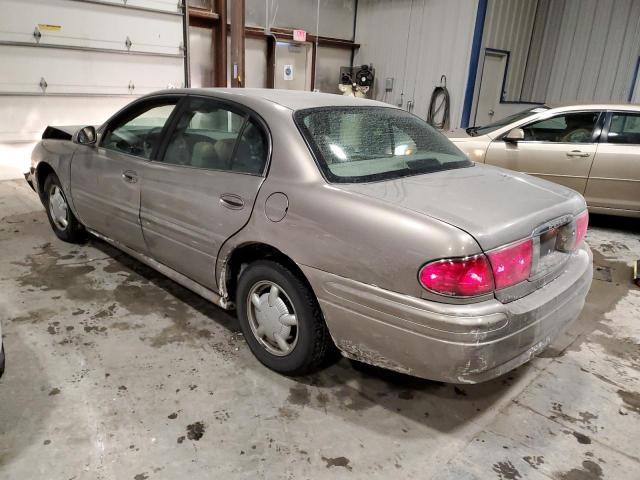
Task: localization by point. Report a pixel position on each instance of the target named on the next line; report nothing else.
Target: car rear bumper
(453, 343)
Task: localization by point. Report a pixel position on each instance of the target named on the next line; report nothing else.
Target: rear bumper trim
(455, 343)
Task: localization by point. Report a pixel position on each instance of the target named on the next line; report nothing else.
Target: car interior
(625, 129)
(204, 137)
(569, 128)
(207, 139)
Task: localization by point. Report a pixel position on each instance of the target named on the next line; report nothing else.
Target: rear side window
(568, 128)
(361, 144)
(138, 132)
(624, 128)
(252, 152)
(204, 136)
(212, 136)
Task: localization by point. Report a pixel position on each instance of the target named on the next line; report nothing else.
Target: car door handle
(577, 153)
(229, 200)
(130, 176)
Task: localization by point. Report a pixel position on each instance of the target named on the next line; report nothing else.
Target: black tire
(313, 347)
(73, 232)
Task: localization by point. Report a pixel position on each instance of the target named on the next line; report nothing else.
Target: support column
(237, 15)
(220, 45)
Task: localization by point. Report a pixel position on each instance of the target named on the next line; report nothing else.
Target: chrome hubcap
(58, 207)
(272, 318)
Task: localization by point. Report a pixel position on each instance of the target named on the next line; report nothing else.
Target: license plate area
(548, 242)
(549, 252)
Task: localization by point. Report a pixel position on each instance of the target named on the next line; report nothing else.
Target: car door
(105, 179)
(202, 188)
(614, 181)
(559, 148)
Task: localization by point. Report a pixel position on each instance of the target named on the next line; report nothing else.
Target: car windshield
(362, 144)
(482, 130)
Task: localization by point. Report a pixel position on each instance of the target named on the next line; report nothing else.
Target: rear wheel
(63, 222)
(281, 319)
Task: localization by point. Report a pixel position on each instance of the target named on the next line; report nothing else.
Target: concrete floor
(115, 372)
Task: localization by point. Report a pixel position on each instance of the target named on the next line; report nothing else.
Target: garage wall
(255, 62)
(328, 65)
(335, 17)
(415, 42)
(595, 55)
(78, 68)
(508, 27)
(200, 57)
(592, 59)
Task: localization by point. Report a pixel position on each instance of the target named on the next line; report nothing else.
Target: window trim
(157, 100)
(607, 126)
(596, 135)
(234, 107)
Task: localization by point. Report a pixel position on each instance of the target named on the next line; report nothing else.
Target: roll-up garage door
(70, 62)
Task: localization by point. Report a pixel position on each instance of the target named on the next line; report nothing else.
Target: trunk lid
(495, 206)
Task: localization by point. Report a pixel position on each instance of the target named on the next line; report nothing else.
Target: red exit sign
(299, 36)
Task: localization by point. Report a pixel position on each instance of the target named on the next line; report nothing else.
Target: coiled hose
(440, 105)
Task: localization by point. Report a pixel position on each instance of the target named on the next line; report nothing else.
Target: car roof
(595, 106)
(291, 99)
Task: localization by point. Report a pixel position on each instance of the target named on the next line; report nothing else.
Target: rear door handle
(130, 176)
(577, 153)
(229, 200)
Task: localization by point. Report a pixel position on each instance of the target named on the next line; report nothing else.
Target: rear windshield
(363, 144)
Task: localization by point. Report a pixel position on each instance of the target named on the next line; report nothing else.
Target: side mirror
(514, 136)
(86, 136)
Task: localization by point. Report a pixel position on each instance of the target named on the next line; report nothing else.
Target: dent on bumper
(454, 343)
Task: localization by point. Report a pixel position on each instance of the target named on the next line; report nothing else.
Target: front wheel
(63, 222)
(281, 319)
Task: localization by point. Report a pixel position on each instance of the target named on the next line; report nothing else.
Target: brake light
(464, 277)
(480, 274)
(582, 223)
(512, 264)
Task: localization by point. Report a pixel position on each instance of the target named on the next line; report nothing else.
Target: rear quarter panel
(341, 232)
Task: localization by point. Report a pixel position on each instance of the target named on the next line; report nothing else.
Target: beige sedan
(593, 149)
(330, 224)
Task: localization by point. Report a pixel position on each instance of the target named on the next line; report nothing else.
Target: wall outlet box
(388, 84)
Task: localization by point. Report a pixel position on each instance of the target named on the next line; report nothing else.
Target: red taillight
(582, 222)
(465, 277)
(512, 264)
(468, 277)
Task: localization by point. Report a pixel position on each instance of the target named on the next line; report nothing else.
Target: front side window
(567, 128)
(138, 132)
(624, 129)
(360, 144)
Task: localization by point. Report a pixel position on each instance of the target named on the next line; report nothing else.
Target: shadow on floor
(346, 388)
(25, 402)
(625, 224)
